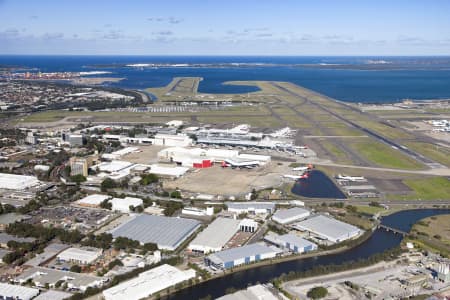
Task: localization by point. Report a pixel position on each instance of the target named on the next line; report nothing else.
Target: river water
(377, 243)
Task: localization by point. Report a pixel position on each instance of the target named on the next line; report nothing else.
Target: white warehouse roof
(148, 283)
(215, 236)
(10, 291)
(167, 232)
(285, 216)
(123, 205)
(329, 228)
(82, 255)
(94, 200)
(168, 170)
(240, 252)
(17, 182)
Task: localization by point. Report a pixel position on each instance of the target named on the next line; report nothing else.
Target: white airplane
(351, 178)
(296, 177)
(307, 168)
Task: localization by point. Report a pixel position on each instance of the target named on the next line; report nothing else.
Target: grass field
(341, 156)
(436, 153)
(384, 156)
(429, 188)
(384, 130)
(371, 210)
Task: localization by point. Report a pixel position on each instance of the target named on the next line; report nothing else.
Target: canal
(380, 241)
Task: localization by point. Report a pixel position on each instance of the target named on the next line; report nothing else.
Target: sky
(231, 27)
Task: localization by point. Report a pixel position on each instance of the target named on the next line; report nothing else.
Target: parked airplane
(296, 177)
(351, 178)
(307, 168)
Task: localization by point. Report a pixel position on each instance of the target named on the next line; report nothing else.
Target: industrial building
(285, 216)
(53, 295)
(194, 211)
(255, 292)
(230, 258)
(46, 276)
(215, 236)
(204, 158)
(148, 283)
(291, 242)
(167, 171)
(167, 232)
(17, 182)
(123, 204)
(11, 291)
(80, 256)
(251, 207)
(248, 225)
(328, 228)
(93, 200)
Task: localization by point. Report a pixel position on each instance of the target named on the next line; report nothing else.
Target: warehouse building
(286, 216)
(17, 182)
(46, 276)
(255, 292)
(79, 256)
(53, 295)
(248, 225)
(230, 258)
(253, 208)
(328, 228)
(215, 236)
(167, 171)
(204, 158)
(291, 242)
(10, 291)
(167, 232)
(123, 204)
(148, 283)
(93, 200)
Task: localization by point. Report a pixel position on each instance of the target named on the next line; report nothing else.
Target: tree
(75, 268)
(107, 184)
(105, 204)
(317, 292)
(78, 178)
(175, 194)
(147, 179)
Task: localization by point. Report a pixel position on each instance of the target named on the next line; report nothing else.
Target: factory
(11, 291)
(253, 208)
(167, 232)
(79, 256)
(17, 182)
(215, 236)
(290, 242)
(123, 204)
(198, 212)
(327, 228)
(230, 258)
(286, 216)
(204, 158)
(148, 283)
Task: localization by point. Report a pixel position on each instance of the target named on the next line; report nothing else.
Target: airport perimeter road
(416, 156)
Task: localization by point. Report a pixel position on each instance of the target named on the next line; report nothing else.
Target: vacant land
(433, 233)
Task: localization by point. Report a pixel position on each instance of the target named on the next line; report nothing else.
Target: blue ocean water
(416, 78)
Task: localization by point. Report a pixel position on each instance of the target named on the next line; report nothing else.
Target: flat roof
(148, 283)
(240, 252)
(217, 234)
(80, 254)
(295, 240)
(290, 213)
(17, 182)
(167, 232)
(326, 226)
(246, 205)
(168, 170)
(5, 238)
(13, 291)
(47, 275)
(10, 218)
(95, 199)
(53, 295)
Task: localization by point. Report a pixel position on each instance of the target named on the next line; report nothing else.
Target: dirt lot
(220, 181)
